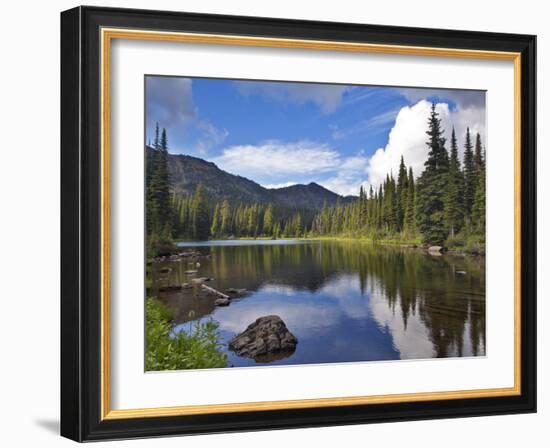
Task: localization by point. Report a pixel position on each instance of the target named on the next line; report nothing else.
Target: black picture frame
(81, 224)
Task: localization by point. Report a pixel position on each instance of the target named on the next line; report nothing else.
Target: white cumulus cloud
(349, 177)
(277, 164)
(408, 137)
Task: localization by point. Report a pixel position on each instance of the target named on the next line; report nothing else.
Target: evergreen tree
(156, 145)
(454, 207)
(430, 188)
(478, 208)
(409, 213)
(151, 158)
(401, 198)
(478, 155)
(277, 230)
(268, 220)
(470, 182)
(160, 188)
(389, 204)
(296, 225)
(201, 218)
(225, 218)
(216, 225)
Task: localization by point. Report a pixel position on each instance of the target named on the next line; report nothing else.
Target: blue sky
(281, 133)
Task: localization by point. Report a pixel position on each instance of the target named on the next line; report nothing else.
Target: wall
(29, 176)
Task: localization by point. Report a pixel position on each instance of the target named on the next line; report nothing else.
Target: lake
(343, 300)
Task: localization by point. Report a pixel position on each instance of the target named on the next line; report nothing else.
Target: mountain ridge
(188, 171)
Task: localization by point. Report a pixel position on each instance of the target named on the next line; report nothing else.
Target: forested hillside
(187, 172)
(445, 205)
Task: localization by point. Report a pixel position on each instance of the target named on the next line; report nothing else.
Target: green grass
(166, 350)
(365, 239)
(472, 245)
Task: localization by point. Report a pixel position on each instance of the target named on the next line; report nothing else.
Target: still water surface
(344, 301)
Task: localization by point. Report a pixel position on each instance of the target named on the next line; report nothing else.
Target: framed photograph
(274, 224)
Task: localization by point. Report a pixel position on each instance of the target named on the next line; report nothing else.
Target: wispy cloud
(209, 136)
(357, 94)
(277, 164)
(375, 122)
(326, 96)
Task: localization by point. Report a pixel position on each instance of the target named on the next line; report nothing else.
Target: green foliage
(454, 195)
(455, 242)
(469, 176)
(444, 201)
(402, 191)
(431, 186)
(215, 227)
(166, 350)
(200, 215)
(268, 220)
(160, 243)
(225, 218)
(478, 155)
(409, 221)
(475, 244)
(478, 208)
(158, 190)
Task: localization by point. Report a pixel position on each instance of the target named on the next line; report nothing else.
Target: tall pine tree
(268, 220)
(408, 225)
(478, 155)
(430, 188)
(216, 224)
(470, 181)
(200, 215)
(402, 191)
(454, 206)
(160, 188)
(478, 208)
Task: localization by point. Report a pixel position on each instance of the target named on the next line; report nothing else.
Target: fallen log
(215, 292)
(236, 291)
(200, 280)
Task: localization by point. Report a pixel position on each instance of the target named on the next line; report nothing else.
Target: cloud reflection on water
(350, 303)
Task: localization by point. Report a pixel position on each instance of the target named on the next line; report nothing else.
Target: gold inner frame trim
(107, 35)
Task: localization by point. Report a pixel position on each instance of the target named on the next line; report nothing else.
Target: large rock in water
(266, 336)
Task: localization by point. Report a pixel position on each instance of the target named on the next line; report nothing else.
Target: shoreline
(414, 243)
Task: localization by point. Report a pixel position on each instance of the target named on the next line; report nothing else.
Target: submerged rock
(267, 335)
